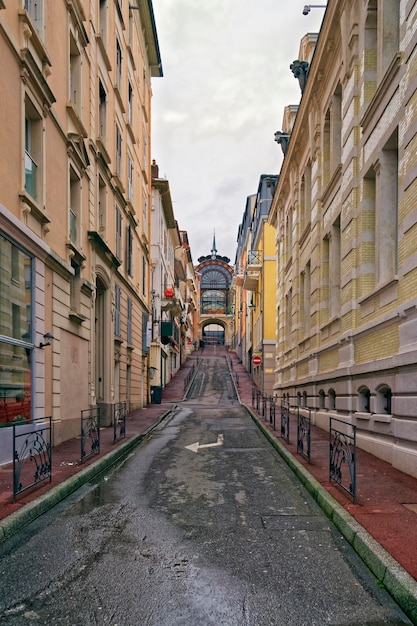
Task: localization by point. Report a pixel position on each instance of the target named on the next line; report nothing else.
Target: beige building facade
(75, 206)
(346, 221)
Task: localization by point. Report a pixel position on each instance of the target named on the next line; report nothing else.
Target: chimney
(154, 169)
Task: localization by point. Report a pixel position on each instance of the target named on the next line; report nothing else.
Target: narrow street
(202, 524)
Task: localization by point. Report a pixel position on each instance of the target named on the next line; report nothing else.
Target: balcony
(250, 280)
(254, 260)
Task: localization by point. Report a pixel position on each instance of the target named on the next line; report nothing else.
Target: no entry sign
(256, 360)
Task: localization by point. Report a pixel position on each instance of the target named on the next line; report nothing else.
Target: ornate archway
(216, 298)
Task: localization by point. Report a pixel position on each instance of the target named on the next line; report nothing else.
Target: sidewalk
(386, 498)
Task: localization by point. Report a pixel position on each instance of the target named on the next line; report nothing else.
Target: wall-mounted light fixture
(48, 340)
(282, 139)
(308, 7)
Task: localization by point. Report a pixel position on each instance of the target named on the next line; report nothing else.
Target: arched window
(213, 301)
(384, 400)
(305, 399)
(322, 399)
(332, 400)
(364, 400)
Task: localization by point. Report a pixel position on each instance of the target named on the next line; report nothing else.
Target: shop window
(16, 294)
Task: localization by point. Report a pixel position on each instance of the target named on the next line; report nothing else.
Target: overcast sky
(222, 97)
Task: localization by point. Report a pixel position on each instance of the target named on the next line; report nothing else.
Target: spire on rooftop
(214, 249)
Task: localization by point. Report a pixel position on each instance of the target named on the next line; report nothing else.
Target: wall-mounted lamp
(308, 7)
(282, 139)
(48, 340)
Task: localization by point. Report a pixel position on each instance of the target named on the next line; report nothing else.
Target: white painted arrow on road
(194, 447)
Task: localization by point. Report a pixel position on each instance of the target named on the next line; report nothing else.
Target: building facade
(346, 221)
(173, 288)
(254, 277)
(75, 206)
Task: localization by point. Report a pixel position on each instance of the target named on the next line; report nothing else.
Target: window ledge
(77, 318)
(378, 290)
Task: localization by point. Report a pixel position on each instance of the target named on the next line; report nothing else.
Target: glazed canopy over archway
(216, 279)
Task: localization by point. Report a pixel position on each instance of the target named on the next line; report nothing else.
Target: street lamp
(308, 7)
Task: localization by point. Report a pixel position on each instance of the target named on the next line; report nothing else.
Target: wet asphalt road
(204, 524)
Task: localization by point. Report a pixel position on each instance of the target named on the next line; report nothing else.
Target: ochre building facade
(345, 215)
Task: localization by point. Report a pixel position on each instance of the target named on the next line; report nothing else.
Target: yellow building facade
(74, 206)
(255, 295)
(345, 216)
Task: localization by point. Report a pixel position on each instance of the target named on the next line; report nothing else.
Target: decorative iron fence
(32, 454)
(258, 399)
(264, 406)
(189, 376)
(90, 432)
(272, 411)
(304, 434)
(119, 420)
(342, 453)
(253, 396)
(285, 420)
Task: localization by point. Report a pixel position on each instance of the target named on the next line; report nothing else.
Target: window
(118, 65)
(102, 206)
(75, 207)
(388, 34)
(370, 51)
(145, 212)
(145, 148)
(75, 75)
(118, 151)
(130, 178)
(103, 20)
(305, 198)
(16, 295)
(34, 9)
(305, 299)
(102, 111)
(33, 151)
(364, 400)
(117, 301)
(367, 246)
(130, 104)
(322, 399)
(332, 400)
(332, 269)
(144, 273)
(213, 302)
(118, 233)
(129, 250)
(384, 400)
(386, 218)
(129, 320)
(288, 315)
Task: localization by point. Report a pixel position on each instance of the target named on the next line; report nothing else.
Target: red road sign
(256, 360)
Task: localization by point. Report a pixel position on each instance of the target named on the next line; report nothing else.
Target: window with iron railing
(254, 257)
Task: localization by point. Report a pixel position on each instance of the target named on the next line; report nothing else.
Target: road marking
(194, 447)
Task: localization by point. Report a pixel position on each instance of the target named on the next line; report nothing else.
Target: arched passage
(213, 333)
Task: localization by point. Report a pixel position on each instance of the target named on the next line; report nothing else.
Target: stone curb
(396, 580)
(15, 522)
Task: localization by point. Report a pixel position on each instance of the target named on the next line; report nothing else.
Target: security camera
(306, 9)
